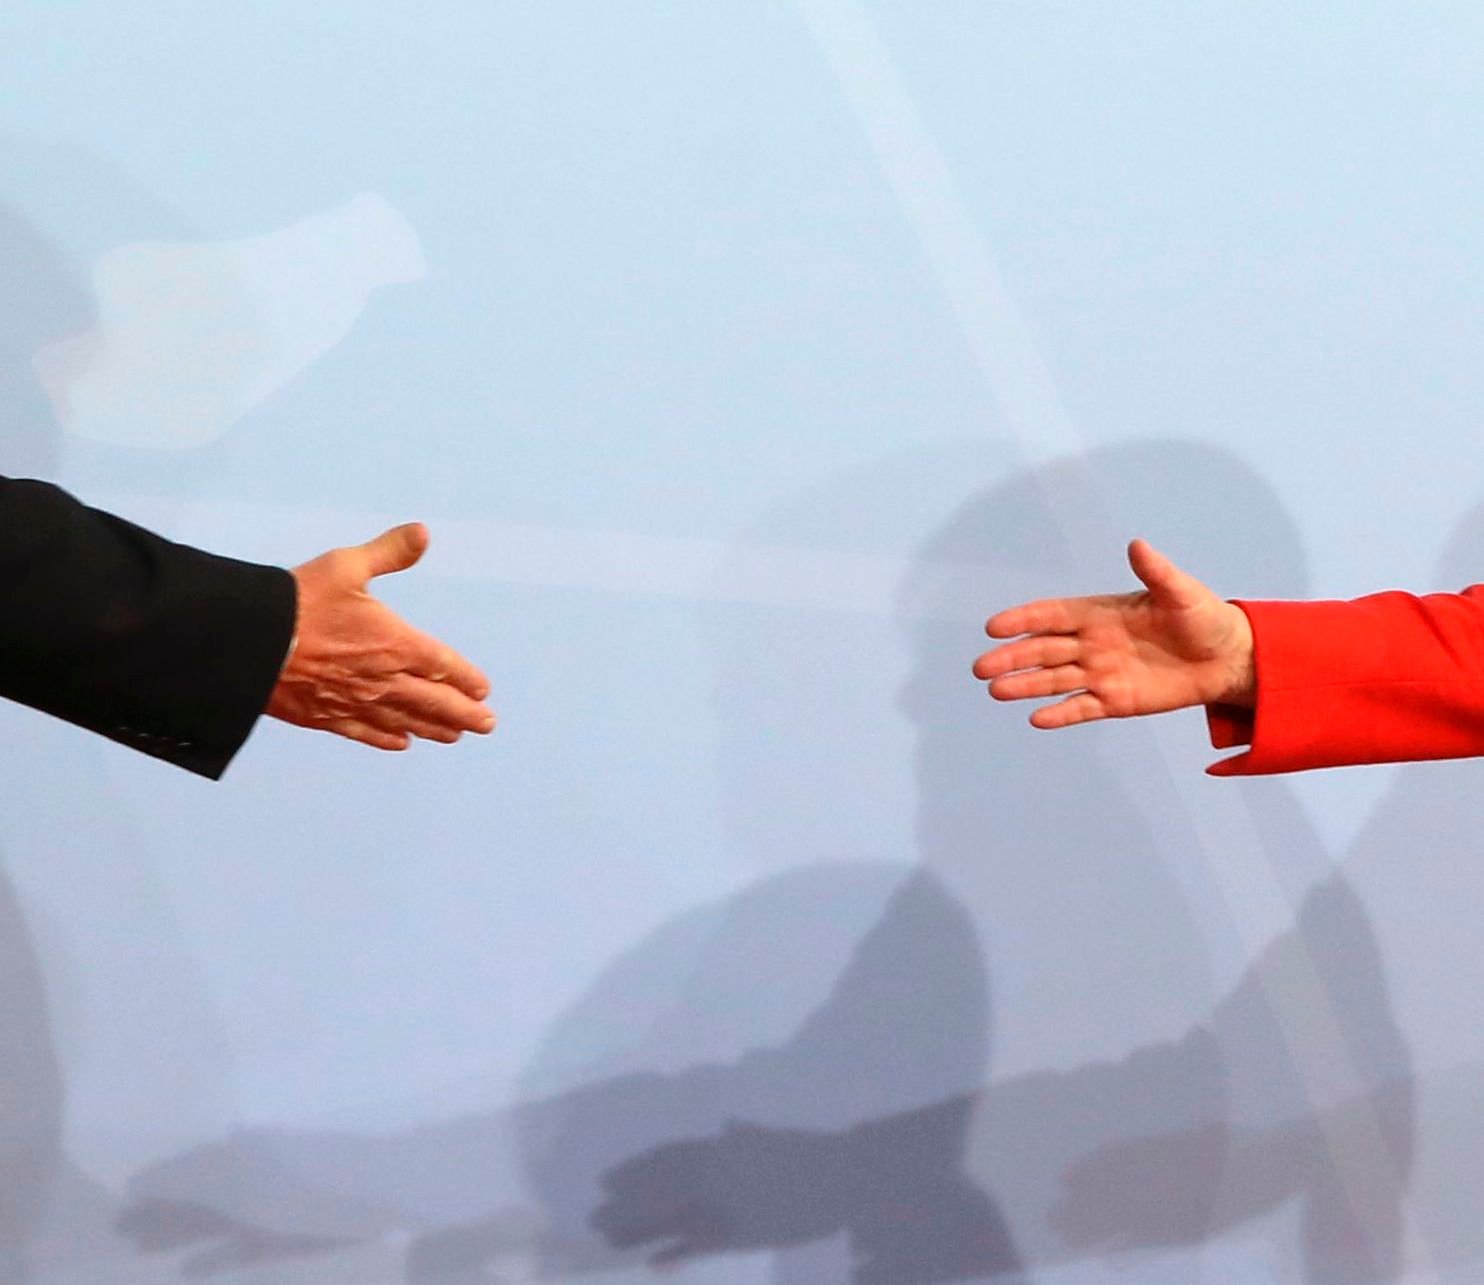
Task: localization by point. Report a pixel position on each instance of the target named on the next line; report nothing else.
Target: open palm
(1172, 644)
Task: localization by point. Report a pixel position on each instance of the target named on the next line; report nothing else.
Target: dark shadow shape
(43, 303)
(163, 1226)
(758, 1188)
(1252, 1069)
(873, 1122)
(910, 1007)
(31, 1093)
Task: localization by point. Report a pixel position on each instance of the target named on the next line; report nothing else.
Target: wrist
(1241, 662)
(288, 652)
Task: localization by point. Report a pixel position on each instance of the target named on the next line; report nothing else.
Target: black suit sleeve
(159, 646)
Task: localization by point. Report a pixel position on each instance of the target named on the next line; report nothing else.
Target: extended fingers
(1167, 583)
(1028, 653)
(1082, 708)
(1028, 684)
(1049, 616)
(355, 729)
(408, 706)
(394, 550)
(426, 657)
(433, 710)
(402, 722)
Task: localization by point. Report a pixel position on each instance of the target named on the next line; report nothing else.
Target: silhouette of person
(883, 1135)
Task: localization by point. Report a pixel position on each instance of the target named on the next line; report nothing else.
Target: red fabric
(1383, 679)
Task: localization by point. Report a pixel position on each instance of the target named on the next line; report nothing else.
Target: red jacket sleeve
(1383, 679)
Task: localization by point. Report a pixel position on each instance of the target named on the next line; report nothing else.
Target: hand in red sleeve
(359, 670)
(1172, 644)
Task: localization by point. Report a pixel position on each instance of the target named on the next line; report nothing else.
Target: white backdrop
(742, 357)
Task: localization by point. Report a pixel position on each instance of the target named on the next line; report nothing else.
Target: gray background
(742, 357)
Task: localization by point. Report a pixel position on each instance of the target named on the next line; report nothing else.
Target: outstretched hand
(359, 670)
(1172, 644)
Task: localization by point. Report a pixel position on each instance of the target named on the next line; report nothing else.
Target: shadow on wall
(52, 305)
(527, 1185)
(31, 1093)
(167, 340)
(53, 1216)
(1097, 934)
(865, 1140)
(31, 1088)
(1070, 891)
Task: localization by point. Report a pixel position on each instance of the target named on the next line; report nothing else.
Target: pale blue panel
(743, 357)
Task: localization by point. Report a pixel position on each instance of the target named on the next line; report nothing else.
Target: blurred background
(742, 358)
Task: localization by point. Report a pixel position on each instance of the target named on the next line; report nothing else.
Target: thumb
(396, 549)
(1167, 584)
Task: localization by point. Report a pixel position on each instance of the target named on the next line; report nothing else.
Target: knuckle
(429, 700)
(339, 563)
(369, 691)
